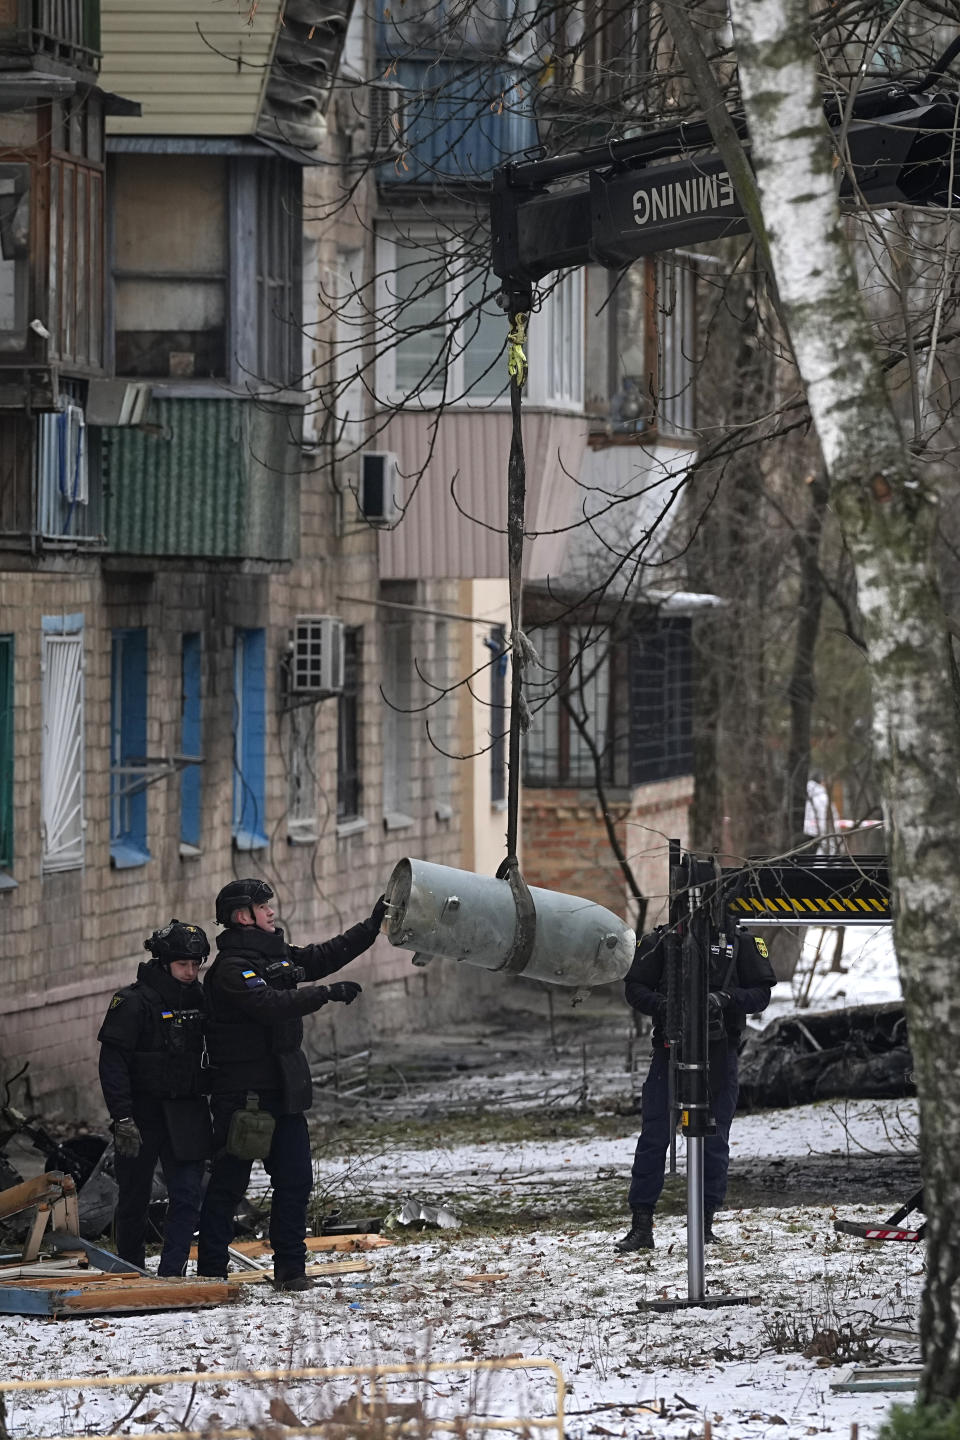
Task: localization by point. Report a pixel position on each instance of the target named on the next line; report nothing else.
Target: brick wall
(566, 846)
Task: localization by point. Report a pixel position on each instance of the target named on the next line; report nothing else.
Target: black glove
(718, 1000)
(345, 990)
(126, 1137)
(375, 919)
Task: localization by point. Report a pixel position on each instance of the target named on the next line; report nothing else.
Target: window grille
(62, 773)
(661, 701)
(574, 673)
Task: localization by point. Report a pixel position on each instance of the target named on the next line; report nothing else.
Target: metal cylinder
(436, 910)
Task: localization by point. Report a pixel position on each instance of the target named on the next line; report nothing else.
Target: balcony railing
(68, 30)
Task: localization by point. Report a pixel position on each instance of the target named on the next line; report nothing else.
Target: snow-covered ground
(557, 1291)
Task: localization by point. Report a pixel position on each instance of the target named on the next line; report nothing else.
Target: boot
(708, 1236)
(640, 1234)
(292, 1282)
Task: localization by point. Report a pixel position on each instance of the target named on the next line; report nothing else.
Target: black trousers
(649, 1161)
(184, 1182)
(291, 1172)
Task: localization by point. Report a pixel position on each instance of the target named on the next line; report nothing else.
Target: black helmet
(178, 941)
(239, 893)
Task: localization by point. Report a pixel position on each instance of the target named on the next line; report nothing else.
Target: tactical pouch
(251, 1131)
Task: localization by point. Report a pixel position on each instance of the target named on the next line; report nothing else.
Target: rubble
(859, 1052)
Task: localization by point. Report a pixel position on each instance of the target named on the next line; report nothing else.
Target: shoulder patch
(117, 1000)
(247, 973)
(255, 981)
(762, 947)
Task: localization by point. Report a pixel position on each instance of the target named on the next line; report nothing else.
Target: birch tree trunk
(887, 505)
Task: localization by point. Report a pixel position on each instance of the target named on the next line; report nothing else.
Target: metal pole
(696, 1288)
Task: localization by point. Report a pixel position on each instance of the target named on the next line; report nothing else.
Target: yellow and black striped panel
(822, 888)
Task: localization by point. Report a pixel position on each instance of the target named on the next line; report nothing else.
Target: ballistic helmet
(239, 893)
(178, 941)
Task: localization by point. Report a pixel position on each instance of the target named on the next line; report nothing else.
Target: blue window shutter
(128, 734)
(6, 751)
(249, 740)
(191, 738)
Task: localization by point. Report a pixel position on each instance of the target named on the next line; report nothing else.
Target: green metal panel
(213, 478)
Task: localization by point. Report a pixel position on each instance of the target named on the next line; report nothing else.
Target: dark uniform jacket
(151, 1054)
(255, 1025)
(741, 968)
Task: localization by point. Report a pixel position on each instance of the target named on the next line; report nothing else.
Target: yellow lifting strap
(516, 355)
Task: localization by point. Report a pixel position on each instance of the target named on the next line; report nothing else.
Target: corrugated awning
(207, 145)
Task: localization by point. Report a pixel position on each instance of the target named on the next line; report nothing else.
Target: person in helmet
(151, 1048)
(259, 1071)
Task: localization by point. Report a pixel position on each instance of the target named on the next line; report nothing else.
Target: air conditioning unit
(316, 661)
(379, 498)
(385, 121)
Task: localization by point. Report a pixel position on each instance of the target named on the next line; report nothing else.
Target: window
(439, 339)
(555, 348)
(302, 776)
(279, 230)
(398, 729)
(348, 730)
(496, 643)
(661, 701)
(571, 683)
(673, 358)
(67, 476)
(62, 776)
(14, 255)
(128, 749)
(6, 751)
(642, 348)
(190, 305)
(191, 741)
(170, 265)
(249, 740)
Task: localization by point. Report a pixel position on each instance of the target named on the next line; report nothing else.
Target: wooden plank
(182, 1294)
(77, 1279)
(314, 1243)
(30, 1192)
(329, 1267)
(31, 1245)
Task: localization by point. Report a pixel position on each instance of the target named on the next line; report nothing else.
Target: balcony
(214, 479)
(67, 31)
